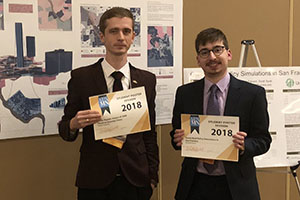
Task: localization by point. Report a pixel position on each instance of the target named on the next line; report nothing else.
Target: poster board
(282, 85)
(45, 39)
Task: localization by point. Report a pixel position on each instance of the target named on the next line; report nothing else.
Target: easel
(242, 63)
(294, 173)
(244, 52)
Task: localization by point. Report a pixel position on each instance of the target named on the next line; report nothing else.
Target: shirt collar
(222, 84)
(108, 69)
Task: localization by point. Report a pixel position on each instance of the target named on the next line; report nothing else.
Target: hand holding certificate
(124, 112)
(209, 137)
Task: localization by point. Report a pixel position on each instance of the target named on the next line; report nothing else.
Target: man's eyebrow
(211, 48)
(203, 49)
(116, 28)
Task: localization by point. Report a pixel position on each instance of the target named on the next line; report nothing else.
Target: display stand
(244, 52)
(294, 173)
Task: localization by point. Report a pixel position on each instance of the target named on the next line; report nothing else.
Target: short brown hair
(114, 12)
(210, 35)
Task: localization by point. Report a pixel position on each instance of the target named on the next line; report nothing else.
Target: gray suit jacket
(99, 162)
(248, 102)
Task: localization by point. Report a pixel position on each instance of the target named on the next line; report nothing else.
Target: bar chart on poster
(282, 85)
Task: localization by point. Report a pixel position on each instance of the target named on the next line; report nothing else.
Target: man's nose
(121, 35)
(212, 55)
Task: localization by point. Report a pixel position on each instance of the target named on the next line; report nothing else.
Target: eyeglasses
(217, 50)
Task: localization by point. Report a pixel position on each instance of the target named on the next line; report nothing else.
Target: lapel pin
(134, 81)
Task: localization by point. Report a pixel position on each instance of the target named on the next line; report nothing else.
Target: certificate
(123, 112)
(209, 137)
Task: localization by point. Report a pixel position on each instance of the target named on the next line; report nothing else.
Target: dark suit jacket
(99, 162)
(245, 100)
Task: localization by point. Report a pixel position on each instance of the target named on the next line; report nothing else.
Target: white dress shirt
(108, 70)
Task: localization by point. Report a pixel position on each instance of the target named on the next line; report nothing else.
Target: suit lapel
(233, 97)
(135, 80)
(98, 76)
(197, 95)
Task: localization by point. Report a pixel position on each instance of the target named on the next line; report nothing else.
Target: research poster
(45, 39)
(282, 85)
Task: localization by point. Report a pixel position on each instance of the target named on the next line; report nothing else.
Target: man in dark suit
(106, 172)
(224, 180)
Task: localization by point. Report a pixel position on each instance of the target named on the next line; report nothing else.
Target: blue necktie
(213, 108)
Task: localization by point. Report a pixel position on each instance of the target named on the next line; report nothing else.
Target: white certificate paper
(209, 137)
(124, 112)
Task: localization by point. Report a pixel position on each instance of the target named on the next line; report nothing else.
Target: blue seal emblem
(104, 104)
(195, 123)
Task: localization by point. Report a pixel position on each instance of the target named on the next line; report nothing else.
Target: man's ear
(197, 58)
(229, 54)
(133, 35)
(102, 37)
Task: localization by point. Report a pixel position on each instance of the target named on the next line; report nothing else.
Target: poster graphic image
(1, 16)
(55, 15)
(24, 83)
(91, 45)
(160, 46)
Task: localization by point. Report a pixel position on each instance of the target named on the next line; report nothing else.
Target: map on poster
(91, 46)
(45, 39)
(160, 46)
(55, 15)
(282, 85)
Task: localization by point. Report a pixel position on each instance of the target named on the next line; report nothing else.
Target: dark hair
(210, 35)
(114, 12)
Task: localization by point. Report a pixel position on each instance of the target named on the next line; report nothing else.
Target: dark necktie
(117, 86)
(213, 108)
